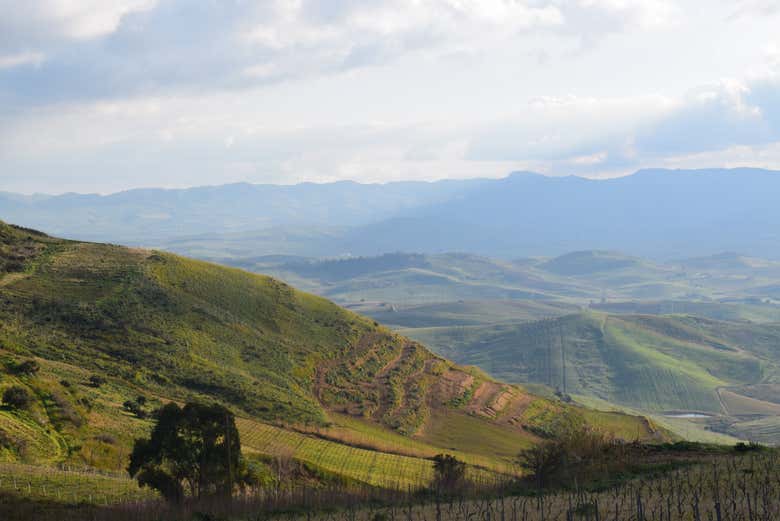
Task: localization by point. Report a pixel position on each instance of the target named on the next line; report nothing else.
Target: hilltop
(106, 323)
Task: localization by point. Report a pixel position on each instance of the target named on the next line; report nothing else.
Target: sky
(107, 95)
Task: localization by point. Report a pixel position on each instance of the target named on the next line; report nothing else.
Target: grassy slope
(171, 328)
(655, 363)
(649, 363)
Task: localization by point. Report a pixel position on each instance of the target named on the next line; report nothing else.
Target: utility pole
(563, 358)
(229, 458)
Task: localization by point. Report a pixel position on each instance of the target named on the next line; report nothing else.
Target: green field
(69, 486)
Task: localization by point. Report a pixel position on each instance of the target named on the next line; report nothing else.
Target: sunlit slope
(652, 363)
(171, 328)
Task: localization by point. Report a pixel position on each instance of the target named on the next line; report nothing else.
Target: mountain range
(663, 214)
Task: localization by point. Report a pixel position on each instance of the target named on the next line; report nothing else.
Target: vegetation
(196, 447)
(661, 365)
(116, 333)
(449, 475)
(17, 397)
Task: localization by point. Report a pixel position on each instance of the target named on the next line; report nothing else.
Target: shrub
(134, 408)
(17, 397)
(96, 381)
(28, 367)
(577, 455)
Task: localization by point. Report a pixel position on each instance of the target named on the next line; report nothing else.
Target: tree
(193, 450)
(450, 473)
(17, 397)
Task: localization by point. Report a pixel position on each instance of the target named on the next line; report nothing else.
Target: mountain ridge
(655, 212)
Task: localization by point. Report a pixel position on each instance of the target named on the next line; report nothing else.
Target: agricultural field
(69, 485)
(725, 488)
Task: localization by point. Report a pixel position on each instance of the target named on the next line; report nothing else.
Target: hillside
(726, 372)
(106, 324)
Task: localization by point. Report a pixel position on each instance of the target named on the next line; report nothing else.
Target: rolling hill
(713, 285)
(85, 327)
(726, 373)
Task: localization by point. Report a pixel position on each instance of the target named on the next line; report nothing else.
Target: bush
(96, 381)
(17, 397)
(134, 408)
(577, 456)
(28, 367)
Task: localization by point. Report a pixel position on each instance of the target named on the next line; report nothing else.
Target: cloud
(115, 48)
(590, 135)
(745, 8)
(23, 58)
(37, 21)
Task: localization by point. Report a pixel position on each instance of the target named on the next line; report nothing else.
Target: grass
(464, 433)
(367, 466)
(648, 364)
(69, 487)
(683, 428)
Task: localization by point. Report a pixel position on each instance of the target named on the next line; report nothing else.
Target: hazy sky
(103, 95)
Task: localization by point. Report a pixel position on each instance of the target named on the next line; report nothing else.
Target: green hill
(591, 261)
(657, 364)
(308, 379)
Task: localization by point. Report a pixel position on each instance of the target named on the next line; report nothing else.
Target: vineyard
(372, 467)
(69, 485)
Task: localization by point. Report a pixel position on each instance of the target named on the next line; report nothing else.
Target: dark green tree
(450, 474)
(192, 450)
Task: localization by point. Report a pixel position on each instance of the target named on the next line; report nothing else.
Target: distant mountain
(145, 216)
(660, 214)
(656, 213)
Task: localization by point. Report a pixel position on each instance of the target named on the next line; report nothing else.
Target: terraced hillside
(86, 327)
(725, 371)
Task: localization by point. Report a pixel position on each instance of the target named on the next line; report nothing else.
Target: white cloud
(23, 58)
(74, 19)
